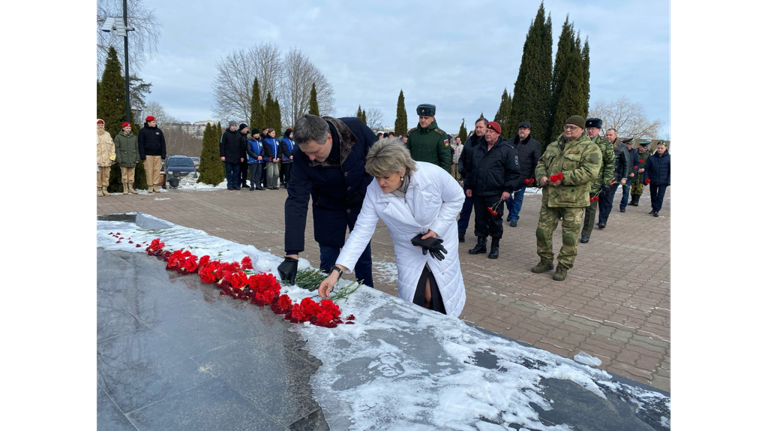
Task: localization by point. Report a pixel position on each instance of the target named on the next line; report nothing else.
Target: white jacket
(433, 201)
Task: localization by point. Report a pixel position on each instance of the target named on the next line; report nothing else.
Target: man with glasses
(565, 172)
(427, 142)
(603, 181)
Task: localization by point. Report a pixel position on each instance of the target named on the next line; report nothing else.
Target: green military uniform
(637, 182)
(580, 162)
(604, 177)
(431, 145)
(126, 156)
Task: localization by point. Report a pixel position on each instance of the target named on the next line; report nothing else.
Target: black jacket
(634, 160)
(528, 155)
(151, 142)
(621, 163)
(493, 172)
(468, 146)
(658, 169)
(232, 146)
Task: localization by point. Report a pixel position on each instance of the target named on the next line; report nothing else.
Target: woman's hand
(326, 286)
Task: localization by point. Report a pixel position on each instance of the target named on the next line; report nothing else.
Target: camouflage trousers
(637, 188)
(548, 219)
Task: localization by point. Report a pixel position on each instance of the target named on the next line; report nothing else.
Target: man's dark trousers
(485, 222)
(466, 211)
(233, 175)
(589, 217)
(657, 195)
(625, 194)
(515, 203)
(606, 203)
(243, 174)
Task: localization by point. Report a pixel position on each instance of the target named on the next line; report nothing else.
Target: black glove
(432, 245)
(606, 188)
(288, 269)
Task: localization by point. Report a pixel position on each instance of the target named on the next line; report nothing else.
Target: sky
(457, 55)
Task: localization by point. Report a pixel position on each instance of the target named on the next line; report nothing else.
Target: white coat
(433, 201)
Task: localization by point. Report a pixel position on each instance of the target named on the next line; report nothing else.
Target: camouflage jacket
(430, 145)
(606, 169)
(579, 161)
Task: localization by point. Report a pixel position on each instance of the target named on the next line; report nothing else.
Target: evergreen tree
(257, 110)
(463, 132)
(503, 115)
(585, 63)
(359, 113)
(110, 95)
(365, 120)
(278, 119)
(314, 109)
(532, 94)
(269, 111)
(401, 120)
(210, 169)
(567, 81)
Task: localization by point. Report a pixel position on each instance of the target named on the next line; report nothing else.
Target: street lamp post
(122, 29)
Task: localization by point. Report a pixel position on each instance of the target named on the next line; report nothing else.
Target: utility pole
(127, 76)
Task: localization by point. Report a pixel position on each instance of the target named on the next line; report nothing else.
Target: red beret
(99, 121)
(495, 126)
(126, 124)
(150, 118)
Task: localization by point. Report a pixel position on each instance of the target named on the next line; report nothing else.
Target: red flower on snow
(309, 307)
(285, 302)
(238, 279)
(324, 317)
(190, 264)
(208, 274)
(327, 304)
(247, 263)
(204, 261)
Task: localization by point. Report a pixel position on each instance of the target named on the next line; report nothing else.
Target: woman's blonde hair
(388, 156)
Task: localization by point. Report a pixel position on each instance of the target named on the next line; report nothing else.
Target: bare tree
(141, 43)
(156, 110)
(233, 84)
(299, 75)
(374, 116)
(626, 117)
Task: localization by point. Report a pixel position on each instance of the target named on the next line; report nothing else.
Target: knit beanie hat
(576, 120)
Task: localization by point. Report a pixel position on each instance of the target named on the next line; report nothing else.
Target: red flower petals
(634, 167)
(247, 263)
(648, 181)
(557, 177)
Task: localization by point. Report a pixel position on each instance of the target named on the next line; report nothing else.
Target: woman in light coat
(412, 198)
(105, 158)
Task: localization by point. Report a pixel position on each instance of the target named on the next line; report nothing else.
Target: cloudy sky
(457, 55)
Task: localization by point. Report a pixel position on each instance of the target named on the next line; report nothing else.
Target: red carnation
(634, 167)
(285, 302)
(247, 263)
(298, 314)
(309, 307)
(204, 260)
(207, 274)
(138, 245)
(324, 317)
(190, 264)
(327, 304)
(238, 279)
(641, 161)
(648, 181)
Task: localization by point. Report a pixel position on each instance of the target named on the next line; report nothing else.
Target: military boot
(494, 254)
(635, 200)
(125, 188)
(104, 190)
(99, 192)
(560, 273)
(480, 247)
(543, 266)
(131, 189)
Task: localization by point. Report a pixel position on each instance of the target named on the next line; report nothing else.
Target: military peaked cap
(426, 110)
(628, 141)
(644, 143)
(595, 122)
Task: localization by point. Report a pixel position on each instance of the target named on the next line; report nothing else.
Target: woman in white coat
(411, 198)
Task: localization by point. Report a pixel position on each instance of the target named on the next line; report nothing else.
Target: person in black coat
(243, 176)
(528, 155)
(232, 152)
(152, 151)
(286, 149)
(329, 166)
(474, 139)
(634, 160)
(492, 176)
(658, 171)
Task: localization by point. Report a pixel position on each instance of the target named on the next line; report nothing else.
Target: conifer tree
(210, 169)
(257, 110)
(110, 95)
(503, 115)
(314, 109)
(532, 94)
(278, 119)
(463, 132)
(585, 63)
(567, 81)
(359, 113)
(401, 120)
(269, 111)
(365, 119)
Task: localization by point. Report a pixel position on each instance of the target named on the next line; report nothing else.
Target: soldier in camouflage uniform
(427, 142)
(579, 160)
(603, 180)
(637, 182)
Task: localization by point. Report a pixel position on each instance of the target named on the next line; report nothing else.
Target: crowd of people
(423, 186)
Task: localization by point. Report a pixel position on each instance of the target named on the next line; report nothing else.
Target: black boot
(480, 247)
(635, 200)
(461, 236)
(494, 254)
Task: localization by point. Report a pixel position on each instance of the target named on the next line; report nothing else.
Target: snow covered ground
(403, 367)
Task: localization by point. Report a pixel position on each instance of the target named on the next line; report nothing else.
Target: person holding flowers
(565, 172)
(493, 174)
(419, 203)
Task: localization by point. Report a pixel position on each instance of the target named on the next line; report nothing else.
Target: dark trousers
(243, 174)
(286, 172)
(589, 217)
(466, 211)
(606, 203)
(657, 195)
(363, 267)
(625, 194)
(233, 175)
(485, 222)
(282, 173)
(514, 203)
(263, 180)
(256, 169)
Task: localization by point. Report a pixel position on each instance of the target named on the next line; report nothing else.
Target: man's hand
(641, 170)
(504, 196)
(242, 160)
(543, 181)
(223, 158)
(557, 183)
(623, 181)
(259, 158)
(291, 157)
(288, 269)
(469, 193)
(632, 175)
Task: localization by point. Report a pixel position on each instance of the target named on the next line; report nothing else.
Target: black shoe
(461, 236)
(651, 212)
(584, 240)
(237, 188)
(623, 209)
(494, 254)
(601, 225)
(480, 247)
(232, 188)
(513, 223)
(655, 214)
(259, 188)
(252, 188)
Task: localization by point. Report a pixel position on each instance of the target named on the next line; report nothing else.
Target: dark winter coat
(337, 186)
(528, 155)
(492, 172)
(272, 149)
(621, 162)
(468, 146)
(254, 149)
(286, 148)
(658, 169)
(126, 150)
(634, 160)
(151, 142)
(231, 146)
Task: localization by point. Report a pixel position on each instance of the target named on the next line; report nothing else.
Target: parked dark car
(196, 160)
(177, 167)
